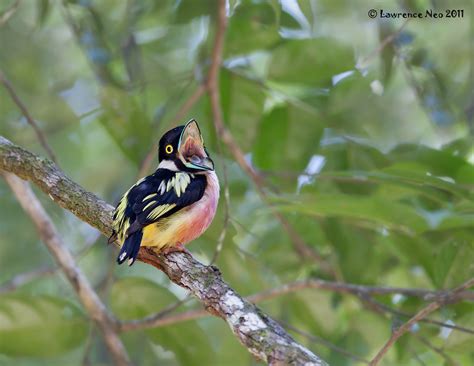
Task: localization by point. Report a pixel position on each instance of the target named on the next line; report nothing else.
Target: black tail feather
(130, 248)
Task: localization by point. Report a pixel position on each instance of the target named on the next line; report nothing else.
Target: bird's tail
(130, 248)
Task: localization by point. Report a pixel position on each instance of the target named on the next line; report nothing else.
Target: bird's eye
(169, 149)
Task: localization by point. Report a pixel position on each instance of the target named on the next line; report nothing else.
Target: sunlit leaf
(312, 61)
(376, 211)
(29, 324)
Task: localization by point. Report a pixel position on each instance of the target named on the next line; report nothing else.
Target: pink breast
(200, 214)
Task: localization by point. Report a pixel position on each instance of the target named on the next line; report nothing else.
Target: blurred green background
(365, 144)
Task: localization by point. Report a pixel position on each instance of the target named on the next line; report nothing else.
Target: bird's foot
(175, 248)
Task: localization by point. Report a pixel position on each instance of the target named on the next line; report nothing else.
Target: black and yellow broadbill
(175, 204)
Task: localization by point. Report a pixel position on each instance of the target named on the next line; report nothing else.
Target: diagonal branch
(383, 309)
(30, 276)
(260, 334)
(423, 313)
(21, 106)
(49, 235)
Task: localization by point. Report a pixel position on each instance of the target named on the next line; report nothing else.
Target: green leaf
(436, 162)
(388, 52)
(375, 210)
(133, 298)
(251, 27)
(313, 61)
(356, 256)
(242, 105)
(43, 9)
(187, 10)
(40, 326)
(275, 147)
(126, 123)
(443, 262)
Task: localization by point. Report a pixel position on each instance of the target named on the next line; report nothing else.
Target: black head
(184, 146)
(168, 145)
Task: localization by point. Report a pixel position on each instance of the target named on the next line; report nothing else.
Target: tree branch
(383, 309)
(260, 334)
(386, 41)
(49, 235)
(6, 15)
(21, 106)
(423, 313)
(22, 278)
(26, 277)
(341, 287)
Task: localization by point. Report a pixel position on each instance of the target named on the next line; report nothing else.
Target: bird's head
(182, 148)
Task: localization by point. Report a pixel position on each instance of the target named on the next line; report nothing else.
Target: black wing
(170, 195)
(155, 197)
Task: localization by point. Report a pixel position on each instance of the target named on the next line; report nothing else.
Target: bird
(175, 204)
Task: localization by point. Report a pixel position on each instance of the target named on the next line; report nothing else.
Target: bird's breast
(197, 218)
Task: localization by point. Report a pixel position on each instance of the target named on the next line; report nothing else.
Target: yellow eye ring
(169, 149)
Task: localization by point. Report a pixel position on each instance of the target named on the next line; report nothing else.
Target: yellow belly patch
(153, 237)
(167, 232)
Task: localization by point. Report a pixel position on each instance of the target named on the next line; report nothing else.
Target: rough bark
(260, 334)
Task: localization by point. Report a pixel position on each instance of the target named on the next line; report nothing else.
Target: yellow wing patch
(121, 223)
(160, 211)
(150, 196)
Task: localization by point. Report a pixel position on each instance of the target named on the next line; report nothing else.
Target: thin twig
(225, 225)
(23, 278)
(323, 342)
(49, 235)
(423, 313)
(386, 41)
(384, 309)
(26, 277)
(21, 106)
(341, 287)
(156, 320)
(440, 351)
(6, 15)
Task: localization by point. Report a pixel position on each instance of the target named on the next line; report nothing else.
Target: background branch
(423, 313)
(262, 336)
(303, 249)
(89, 299)
(21, 106)
(164, 317)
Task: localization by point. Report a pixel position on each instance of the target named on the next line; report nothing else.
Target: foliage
(368, 155)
